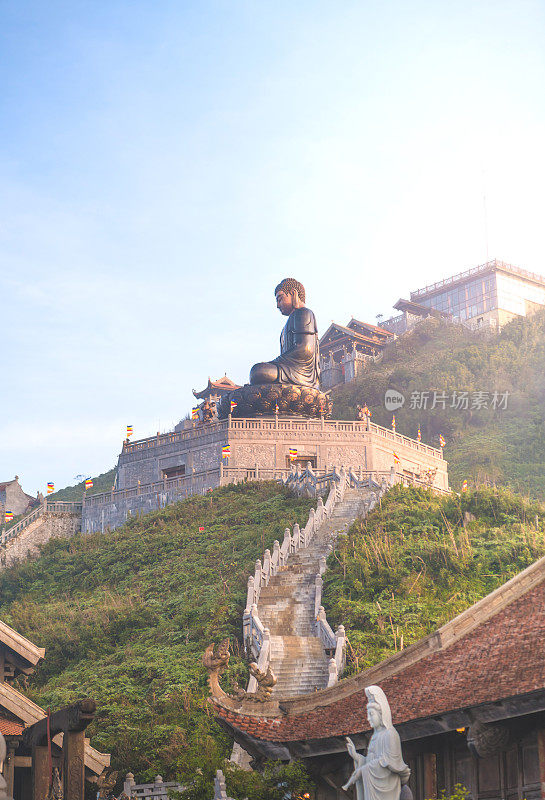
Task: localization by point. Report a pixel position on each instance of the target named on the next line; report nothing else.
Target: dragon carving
(215, 660)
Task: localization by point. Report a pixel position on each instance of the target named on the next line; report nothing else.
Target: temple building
(468, 702)
(12, 498)
(20, 657)
(483, 297)
(346, 350)
(216, 389)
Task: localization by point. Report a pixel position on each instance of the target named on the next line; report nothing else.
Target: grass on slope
(125, 617)
(419, 560)
(484, 446)
(73, 494)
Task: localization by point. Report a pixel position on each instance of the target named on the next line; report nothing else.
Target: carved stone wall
(264, 442)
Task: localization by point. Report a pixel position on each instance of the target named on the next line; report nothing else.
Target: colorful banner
(292, 453)
(8, 516)
(418, 435)
(442, 441)
(194, 413)
(397, 459)
(226, 451)
(88, 483)
(50, 488)
(130, 431)
(234, 404)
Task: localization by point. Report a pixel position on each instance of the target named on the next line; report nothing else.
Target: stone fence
(278, 423)
(158, 790)
(47, 507)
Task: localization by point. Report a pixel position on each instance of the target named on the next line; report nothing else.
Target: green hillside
(419, 560)
(125, 617)
(102, 483)
(486, 445)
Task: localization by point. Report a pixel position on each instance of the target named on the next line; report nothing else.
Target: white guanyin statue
(380, 774)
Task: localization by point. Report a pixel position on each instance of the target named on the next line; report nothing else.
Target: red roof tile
(500, 658)
(10, 728)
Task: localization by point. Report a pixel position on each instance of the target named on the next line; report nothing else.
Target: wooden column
(74, 767)
(430, 775)
(9, 769)
(40, 772)
(541, 754)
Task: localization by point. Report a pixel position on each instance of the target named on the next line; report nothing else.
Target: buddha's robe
(299, 359)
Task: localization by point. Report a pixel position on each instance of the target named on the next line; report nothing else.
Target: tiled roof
(500, 657)
(10, 728)
(20, 645)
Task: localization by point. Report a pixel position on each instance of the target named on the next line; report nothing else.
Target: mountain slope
(126, 616)
(419, 560)
(484, 445)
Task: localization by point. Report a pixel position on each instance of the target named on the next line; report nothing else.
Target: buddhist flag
(50, 488)
(394, 422)
(8, 516)
(464, 486)
(194, 413)
(418, 435)
(89, 483)
(397, 459)
(226, 451)
(292, 452)
(234, 404)
(130, 431)
(276, 408)
(442, 441)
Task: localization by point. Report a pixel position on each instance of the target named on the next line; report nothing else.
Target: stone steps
(286, 606)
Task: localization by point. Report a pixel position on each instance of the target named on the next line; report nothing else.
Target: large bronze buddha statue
(299, 359)
(289, 384)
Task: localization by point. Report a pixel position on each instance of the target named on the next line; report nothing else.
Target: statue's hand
(351, 747)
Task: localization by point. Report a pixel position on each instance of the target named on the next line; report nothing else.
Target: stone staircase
(287, 605)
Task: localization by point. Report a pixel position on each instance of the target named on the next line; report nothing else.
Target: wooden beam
(71, 718)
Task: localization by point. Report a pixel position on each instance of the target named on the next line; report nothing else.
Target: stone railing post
(318, 583)
(251, 592)
(276, 556)
(333, 675)
(296, 537)
(286, 545)
(266, 573)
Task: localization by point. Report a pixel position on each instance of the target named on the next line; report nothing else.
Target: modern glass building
(486, 296)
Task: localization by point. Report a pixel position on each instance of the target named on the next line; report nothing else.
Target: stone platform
(165, 468)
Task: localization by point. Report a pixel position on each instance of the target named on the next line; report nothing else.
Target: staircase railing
(256, 635)
(335, 643)
(47, 507)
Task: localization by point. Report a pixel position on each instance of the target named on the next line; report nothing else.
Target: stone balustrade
(256, 636)
(47, 507)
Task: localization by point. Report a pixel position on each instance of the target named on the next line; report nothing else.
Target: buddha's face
(284, 302)
(374, 716)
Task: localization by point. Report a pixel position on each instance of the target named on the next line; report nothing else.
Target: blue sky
(164, 164)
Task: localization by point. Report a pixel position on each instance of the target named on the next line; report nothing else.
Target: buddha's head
(290, 294)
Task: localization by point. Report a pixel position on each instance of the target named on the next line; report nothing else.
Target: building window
(174, 472)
